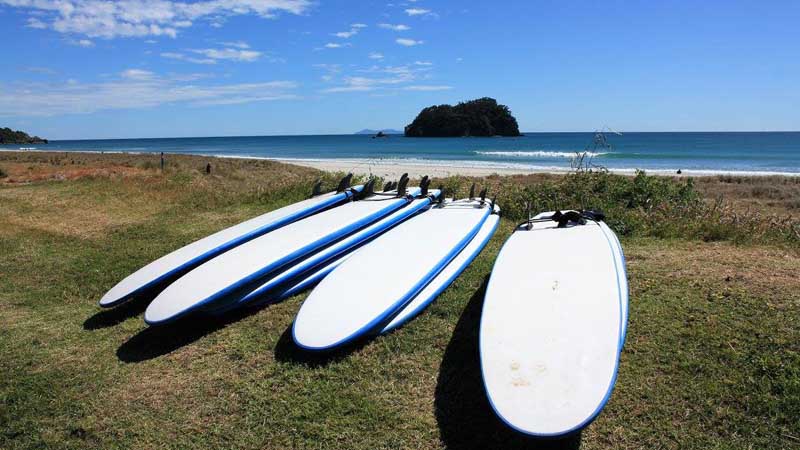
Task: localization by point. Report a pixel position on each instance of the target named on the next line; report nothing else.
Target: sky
(81, 69)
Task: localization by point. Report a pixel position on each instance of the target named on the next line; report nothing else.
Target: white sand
(390, 170)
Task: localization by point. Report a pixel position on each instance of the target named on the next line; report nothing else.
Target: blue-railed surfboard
(553, 324)
(273, 289)
(355, 299)
(228, 277)
(159, 273)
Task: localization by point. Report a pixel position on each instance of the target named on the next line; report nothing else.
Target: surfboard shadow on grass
(465, 417)
(116, 315)
(287, 351)
(155, 341)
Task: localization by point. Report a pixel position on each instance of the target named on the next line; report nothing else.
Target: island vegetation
(480, 117)
(9, 136)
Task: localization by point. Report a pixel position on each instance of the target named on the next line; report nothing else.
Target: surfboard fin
(367, 191)
(471, 191)
(441, 194)
(401, 185)
(482, 194)
(387, 186)
(423, 185)
(344, 183)
(317, 189)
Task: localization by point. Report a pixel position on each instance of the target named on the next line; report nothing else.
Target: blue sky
(158, 68)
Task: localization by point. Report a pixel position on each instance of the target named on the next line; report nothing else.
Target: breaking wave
(537, 154)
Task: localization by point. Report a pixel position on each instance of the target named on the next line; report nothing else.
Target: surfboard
(619, 257)
(169, 267)
(237, 271)
(356, 299)
(448, 274)
(552, 326)
(263, 294)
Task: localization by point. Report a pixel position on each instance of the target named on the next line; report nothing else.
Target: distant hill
(373, 132)
(480, 117)
(9, 136)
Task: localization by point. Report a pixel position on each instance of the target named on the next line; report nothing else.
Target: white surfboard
(243, 268)
(446, 276)
(551, 327)
(619, 257)
(356, 299)
(167, 268)
(263, 293)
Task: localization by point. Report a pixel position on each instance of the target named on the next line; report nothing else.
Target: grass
(712, 358)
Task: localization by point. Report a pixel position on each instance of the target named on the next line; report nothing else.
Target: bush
(3, 173)
(642, 205)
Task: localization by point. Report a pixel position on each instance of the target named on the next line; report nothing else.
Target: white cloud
(354, 29)
(212, 55)
(383, 78)
(85, 43)
(137, 18)
(376, 55)
(133, 89)
(236, 44)
(408, 42)
(427, 88)
(335, 45)
(397, 27)
(137, 74)
(183, 57)
(36, 23)
(417, 11)
(230, 54)
(423, 63)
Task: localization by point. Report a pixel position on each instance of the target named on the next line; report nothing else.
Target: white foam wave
(536, 154)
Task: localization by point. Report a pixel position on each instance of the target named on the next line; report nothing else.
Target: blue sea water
(701, 153)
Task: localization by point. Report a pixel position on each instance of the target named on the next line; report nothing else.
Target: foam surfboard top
(448, 274)
(354, 299)
(551, 327)
(332, 252)
(221, 278)
(184, 258)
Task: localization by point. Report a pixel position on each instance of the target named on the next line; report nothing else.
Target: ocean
(760, 153)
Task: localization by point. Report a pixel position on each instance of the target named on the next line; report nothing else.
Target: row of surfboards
(554, 314)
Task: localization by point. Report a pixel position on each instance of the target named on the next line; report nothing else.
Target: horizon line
(400, 134)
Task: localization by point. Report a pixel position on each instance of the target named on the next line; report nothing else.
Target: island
(9, 136)
(480, 117)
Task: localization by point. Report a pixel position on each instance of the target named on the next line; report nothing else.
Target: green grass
(712, 358)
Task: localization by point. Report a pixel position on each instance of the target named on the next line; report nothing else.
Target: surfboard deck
(448, 274)
(262, 294)
(244, 267)
(355, 299)
(169, 267)
(552, 326)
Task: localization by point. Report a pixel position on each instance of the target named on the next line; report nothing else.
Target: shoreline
(417, 168)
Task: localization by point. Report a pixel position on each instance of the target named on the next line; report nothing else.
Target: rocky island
(480, 117)
(9, 136)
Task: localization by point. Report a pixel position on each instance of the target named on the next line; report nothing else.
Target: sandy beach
(387, 169)
(441, 169)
